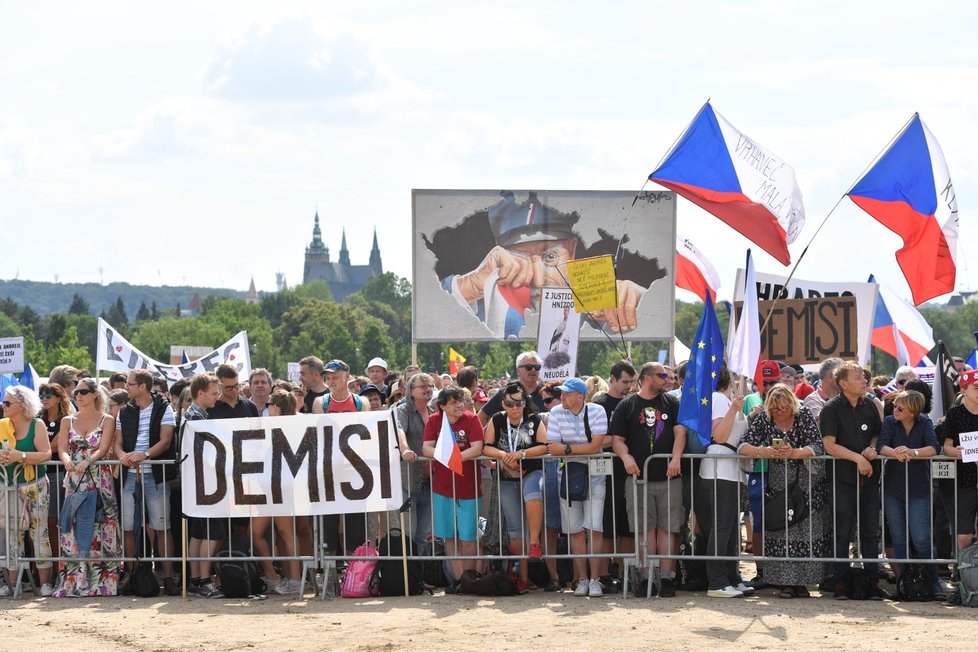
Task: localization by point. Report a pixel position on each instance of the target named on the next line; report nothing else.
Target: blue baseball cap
(573, 385)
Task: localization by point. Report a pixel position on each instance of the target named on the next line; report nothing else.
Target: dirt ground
(535, 620)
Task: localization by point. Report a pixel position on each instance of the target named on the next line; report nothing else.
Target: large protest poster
(807, 331)
(115, 353)
(303, 465)
(483, 257)
(560, 326)
(770, 286)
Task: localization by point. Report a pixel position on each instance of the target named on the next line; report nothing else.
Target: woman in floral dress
(785, 420)
(86, 438)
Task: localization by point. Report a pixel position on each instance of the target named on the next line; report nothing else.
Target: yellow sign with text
(593, 283)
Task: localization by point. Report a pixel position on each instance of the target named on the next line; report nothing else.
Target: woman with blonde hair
(786, 434)
(88, 530)
(595, 385)
(25, 450)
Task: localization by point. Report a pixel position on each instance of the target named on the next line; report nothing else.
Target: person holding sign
(906, 437)
(456, 498)
(963, 420)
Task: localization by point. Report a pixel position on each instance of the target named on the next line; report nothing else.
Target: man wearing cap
(533, 244)
(645, 424)
(377, 373)
(579, 428)
(339, 398)
(850, 426)
(963, 418)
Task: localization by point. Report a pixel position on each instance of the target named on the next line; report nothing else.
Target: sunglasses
(902, 382)
(662, 374)
(550, 399)
(769, 383)
(44, 396)
(7, 404)
(82, 392)
(532, 367)
(514, 404)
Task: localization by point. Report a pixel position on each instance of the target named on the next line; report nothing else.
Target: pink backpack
(356, 582)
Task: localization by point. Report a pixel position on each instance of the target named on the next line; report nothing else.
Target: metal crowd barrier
(324, 541)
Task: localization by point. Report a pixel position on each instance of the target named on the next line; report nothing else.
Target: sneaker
(746, 590)
(841, 592)
(271, 584)
(170, 586)
(954, 599)
(594, 589)
(209, 590)
(552, 586)
(667, 590)
(193, 587)
(582, 587)
(46, 591)
(758, 583)
(876, 593)
(287, 587)
(536, 552)
(726, 592)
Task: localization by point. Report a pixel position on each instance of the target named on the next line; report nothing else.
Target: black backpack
(692, 571)
(388, 576)
(239, 577)
(914, 584)
(858, 587)
(433, 567)
(144, 582)
(493, 583)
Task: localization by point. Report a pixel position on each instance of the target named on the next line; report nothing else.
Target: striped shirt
(567, 428)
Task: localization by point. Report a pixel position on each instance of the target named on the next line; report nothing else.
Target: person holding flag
(453, 437)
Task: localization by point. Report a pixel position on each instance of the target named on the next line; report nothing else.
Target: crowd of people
(811, 466)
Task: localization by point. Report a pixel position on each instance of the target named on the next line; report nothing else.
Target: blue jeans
(848, 503)
(910, 516)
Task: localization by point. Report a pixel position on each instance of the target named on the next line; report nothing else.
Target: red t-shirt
(348, 404)
(467, 429)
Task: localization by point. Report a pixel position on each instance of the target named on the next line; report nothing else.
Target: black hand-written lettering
(385, 459)
(281, 450)
(356, 430)
(329, 492)
(240, 468)
(220, 461)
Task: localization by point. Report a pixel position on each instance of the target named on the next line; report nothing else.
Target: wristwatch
(23, 456)
(916, 452)
(146, 453)
(567, 449)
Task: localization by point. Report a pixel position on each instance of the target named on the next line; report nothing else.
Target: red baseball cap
(767, 370)
(968, 378)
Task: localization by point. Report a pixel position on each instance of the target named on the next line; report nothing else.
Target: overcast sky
(192, 142)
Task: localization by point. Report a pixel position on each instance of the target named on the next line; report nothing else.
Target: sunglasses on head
(532, 367)
(514, 404)
(82, 392)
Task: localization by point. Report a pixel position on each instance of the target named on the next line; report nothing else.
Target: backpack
(433, 567)
(968, 572)
(388, 576)
(356, 401)
(914, 584)
(493, 583)
(692, 571)
(356, 582)
(239, 577)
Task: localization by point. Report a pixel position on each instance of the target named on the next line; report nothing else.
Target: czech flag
(455, 361)
(446, 448)
(732, 177)
(909, 191)
(899, 329)
(694, 272)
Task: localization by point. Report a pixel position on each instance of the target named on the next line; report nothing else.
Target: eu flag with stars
(705, 358)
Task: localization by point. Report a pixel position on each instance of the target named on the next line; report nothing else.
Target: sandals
(789, 592)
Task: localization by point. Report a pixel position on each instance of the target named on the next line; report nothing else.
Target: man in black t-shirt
(642, 425)
(850, 425)
(311, 377)
(620, 383)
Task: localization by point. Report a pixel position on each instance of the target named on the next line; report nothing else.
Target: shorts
(512, 501)
(756, 483)
(206, 529)
(155, 496)
(663, 504)
(967, 510)
(584, 514)
(448, 511)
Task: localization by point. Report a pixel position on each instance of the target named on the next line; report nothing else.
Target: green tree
(8, 327)
(143, 313)
(67, 351)
(154, 338)
(79, 306)
(116, 315)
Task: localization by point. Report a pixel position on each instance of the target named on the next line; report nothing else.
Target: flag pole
(784, 290)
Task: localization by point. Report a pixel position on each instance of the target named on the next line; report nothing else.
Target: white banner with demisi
(302, 465)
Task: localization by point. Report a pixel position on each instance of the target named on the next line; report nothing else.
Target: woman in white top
(718, 491)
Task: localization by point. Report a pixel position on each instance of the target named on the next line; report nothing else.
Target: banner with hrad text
(302, 465)
(115, 353)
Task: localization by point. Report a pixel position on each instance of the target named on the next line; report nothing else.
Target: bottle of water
(330, 579)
